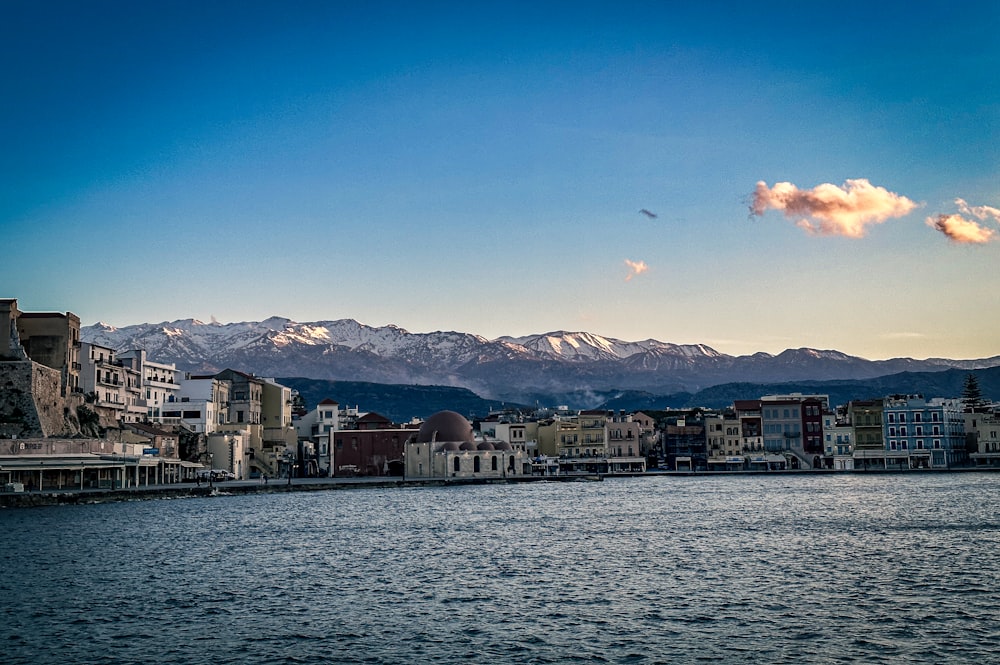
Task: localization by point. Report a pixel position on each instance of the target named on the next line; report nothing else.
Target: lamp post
(211, 468)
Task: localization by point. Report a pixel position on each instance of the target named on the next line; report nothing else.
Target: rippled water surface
(770, 569)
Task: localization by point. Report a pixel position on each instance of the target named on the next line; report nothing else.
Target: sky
(750, 176)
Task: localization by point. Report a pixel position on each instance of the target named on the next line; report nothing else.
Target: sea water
(733, 569)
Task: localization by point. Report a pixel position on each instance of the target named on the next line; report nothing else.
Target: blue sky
(481, 167)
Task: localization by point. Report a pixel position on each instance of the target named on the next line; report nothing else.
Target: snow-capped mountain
(506, 368)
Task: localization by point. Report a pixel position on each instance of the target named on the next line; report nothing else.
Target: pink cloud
(961, 230)
(831, 210)
(635, 268)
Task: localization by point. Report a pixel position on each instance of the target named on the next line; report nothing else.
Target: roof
(445, 426)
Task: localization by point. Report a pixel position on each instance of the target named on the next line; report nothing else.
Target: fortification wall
(31, 402)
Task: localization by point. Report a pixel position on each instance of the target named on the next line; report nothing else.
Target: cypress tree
(972, 396)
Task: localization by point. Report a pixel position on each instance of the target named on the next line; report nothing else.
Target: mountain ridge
(506, 368)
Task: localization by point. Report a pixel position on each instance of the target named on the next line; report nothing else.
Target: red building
(375, 448)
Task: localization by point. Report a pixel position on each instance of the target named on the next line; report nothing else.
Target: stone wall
(31, 402)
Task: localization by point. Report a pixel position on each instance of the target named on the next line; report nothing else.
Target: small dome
(503, 445)
(468, 445)
(445, 426)
(485, 445)
(450, 445)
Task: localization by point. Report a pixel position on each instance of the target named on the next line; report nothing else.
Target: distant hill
(398, 403)
(948, 383)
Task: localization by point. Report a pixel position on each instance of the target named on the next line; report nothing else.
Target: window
(475, 464)
(457, 465)
(494, 463)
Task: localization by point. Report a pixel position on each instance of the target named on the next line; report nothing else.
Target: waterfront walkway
(50, 497)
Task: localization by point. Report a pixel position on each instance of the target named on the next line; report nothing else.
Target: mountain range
(555, 366)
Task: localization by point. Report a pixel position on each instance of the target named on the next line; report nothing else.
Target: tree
(972, 396)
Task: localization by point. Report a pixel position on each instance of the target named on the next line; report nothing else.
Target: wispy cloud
(902, 335)
(828, 209)
(635, 268)
(961, 230)
(979, 212)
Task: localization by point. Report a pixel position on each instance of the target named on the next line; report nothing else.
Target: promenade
(239, 487)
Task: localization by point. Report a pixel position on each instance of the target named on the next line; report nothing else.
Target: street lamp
(211, 468)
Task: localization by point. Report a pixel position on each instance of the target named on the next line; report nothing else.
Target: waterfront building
(650, 442)
(724, 442)
(278, 431)
(624, 436)
(317, 426)
(445, 446)
(983, 428)
(520, 435)
(200, 405)
(684, 446)
(625, 444)
(921, 434)
(749, 415)
(793, 426)
(78, 464)
(837, 443)
(865, 417)
(228, 451)
(375, 447)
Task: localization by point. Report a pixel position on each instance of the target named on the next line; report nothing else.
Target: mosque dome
(449, 446)
(503, 445)
(445, 426)
(485, 445)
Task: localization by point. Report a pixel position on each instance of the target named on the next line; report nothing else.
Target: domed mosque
(445, 446)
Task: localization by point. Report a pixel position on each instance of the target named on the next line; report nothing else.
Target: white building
(102, 378)
(159, 381)
(201, 404)
(837, 442)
